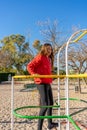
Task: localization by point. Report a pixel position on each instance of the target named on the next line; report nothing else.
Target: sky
(21, 16)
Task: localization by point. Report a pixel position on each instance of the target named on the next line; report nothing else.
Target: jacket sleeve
(32, 66)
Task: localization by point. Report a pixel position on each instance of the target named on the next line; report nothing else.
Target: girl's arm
(32, 66)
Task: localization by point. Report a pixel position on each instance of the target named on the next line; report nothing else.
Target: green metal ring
(47, 117)
(33, 117)
(42, 117)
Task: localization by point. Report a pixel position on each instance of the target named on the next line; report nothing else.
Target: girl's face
(49, 50)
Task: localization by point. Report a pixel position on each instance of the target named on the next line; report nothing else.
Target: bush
(6, 76)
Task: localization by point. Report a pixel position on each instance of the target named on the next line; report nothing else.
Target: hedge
(6, 76)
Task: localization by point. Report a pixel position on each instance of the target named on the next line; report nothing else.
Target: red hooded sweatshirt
(40, 65)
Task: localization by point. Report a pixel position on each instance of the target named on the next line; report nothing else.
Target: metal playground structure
(73, 39)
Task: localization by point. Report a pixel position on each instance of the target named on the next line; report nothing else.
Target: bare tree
(77, 59)
(51, 33)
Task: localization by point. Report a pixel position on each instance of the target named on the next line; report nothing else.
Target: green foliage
(4, 76)
(61, 72)
(37, 45)
(15, 53)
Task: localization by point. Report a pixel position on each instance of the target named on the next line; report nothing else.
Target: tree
(51, 34)
(16, 52)
(37, 45)
(77, 59)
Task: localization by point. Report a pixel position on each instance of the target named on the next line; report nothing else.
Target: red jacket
(40, 65)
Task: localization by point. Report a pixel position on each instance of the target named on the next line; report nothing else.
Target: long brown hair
(44, 52)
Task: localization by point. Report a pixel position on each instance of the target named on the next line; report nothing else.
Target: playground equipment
(73, 39)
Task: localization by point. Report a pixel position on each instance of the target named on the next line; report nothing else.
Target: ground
(78, 109)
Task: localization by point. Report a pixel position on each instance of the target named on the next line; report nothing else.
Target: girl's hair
(44, 52)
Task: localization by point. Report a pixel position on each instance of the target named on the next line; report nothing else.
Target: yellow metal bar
(51, 76)
(38, 76)
(77, 76)
(79, 37)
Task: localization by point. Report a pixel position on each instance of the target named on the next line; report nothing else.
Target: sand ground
(78, 109)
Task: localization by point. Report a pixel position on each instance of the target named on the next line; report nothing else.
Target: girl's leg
(49, 111)
(50, 102)
(44, 102)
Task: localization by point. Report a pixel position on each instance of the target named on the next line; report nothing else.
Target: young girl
(42, 64)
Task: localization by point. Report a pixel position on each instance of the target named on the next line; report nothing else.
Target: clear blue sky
(21, 16)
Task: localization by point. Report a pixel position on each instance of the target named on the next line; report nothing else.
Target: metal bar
(79, 37)
(67, 78)
(58, 68)
(12, 103)
(73, 122)
(51, 76)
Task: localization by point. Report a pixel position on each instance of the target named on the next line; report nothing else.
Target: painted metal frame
(67, 76)
(72, 39)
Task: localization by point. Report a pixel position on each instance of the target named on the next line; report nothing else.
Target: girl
(42, 64)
